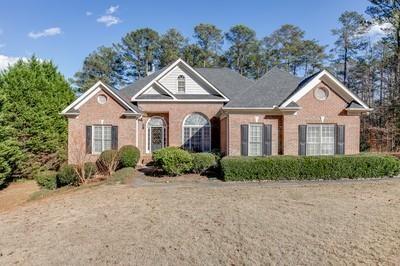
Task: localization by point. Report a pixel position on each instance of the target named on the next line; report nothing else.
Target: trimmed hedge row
(176, 161)
(308, 167)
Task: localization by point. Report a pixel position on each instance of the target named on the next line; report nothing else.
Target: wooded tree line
(368, 66)
(141, 50)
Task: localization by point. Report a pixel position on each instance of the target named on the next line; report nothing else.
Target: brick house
(204, 109)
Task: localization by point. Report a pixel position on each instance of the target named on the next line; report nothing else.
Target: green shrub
(308, 167)
(47, 179)
(108, 162)
(173, 160)
(203, 161)
(90, 169)
(67, 176)
(128, 156)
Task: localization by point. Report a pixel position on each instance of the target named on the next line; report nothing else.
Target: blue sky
(67, 31)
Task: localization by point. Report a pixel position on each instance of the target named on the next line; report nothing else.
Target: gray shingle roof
(355, 105)
(126, 99)
(271, 89)
(154, 97)
(198, 96)
(229, 82)
(136, 86)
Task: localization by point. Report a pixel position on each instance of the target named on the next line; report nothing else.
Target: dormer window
(181, 84)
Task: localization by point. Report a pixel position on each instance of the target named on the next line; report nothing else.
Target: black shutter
(302, 139)
(267, 140)
(340, 139)
(88, 139)
(114, 137)
(244, 138)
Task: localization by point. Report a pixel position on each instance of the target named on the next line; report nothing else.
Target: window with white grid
(320, 139)
(197, 133)
(101, 138)
(255, 139)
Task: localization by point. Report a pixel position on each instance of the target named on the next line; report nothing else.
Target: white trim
(164, 134)
(137, 133)
(90, 93)
(183, 129)
(162, 87)
(167, 70)
(180, 100)
(202, 78)
(314, 82)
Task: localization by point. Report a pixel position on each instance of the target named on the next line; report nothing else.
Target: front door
(156, 138)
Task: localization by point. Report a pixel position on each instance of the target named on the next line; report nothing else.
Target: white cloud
(112, 9)
(45, 33)
(109, 19)
(6, 61)
(377, 31)
(88, 13)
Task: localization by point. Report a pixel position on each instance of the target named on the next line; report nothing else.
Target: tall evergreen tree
(242, 40)
(350, 39)
(210, 39)
(286, 44)
(194, 55)
(104, 64)
(33, 93)
(172, 44)
(141, 49)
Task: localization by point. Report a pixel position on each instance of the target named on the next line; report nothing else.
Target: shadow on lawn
(153, 171)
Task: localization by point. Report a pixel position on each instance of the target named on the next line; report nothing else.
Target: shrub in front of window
(128, 156)
(308, 168)
(173, 160)
(47, 179)
(108, 162)
(90, 170)
(67, 175)
(203, 162)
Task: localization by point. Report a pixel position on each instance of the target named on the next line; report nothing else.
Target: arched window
(181, 84)
(156, 134)
(197, 133)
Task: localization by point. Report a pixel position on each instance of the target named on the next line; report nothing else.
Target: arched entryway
(197, 133)
(156, 133)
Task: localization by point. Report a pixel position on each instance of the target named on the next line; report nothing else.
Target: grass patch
(121, 176)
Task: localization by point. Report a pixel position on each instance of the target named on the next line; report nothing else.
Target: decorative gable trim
(315, 81)
(166, 71)
(160, 86)
(75, 105)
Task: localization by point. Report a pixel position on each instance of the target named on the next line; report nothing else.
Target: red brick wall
(94, 113)
(235, 120)
(176, 113)
(312, 109)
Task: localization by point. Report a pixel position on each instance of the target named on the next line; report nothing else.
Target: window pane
(97, 146)
(196, 139)
(320, 139)
(206, 139)
(186, 138)
(255, 140)
(196, 120)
